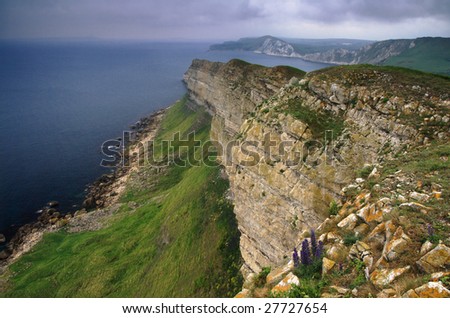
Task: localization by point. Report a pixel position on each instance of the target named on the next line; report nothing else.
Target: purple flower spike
(305, 254)
(319, 251)
(296, 258)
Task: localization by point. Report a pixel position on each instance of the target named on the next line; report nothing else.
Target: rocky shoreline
(100, 201)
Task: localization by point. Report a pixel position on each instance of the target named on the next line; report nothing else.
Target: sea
(61, 99)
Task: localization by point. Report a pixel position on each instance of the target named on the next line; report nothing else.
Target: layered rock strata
(290, 142)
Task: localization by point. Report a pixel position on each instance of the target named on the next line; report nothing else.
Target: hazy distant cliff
(425, 54)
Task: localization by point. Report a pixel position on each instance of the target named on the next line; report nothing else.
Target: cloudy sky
(224, 19)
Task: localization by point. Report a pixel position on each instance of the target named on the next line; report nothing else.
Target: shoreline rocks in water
(101, 193)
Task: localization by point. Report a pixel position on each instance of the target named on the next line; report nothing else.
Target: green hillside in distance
(424, 54)
(428, 54)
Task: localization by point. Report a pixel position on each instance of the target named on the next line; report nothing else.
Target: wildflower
(319, 251)
(305, 253)
(296, 258)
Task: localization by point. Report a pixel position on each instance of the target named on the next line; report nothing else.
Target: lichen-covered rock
(245, 293)
(387, 293)
(327, 266)
(415, 207)
(432, 290)
(410, 294)
(286, 284)
(436, 260)
(370, 213)
(359, 250)
(439, 275)
(340, 290)
(381, 278)
(361, 230)
(349, 223)
(421, 197)
(426, 247)
(333, 237)
(397, 245)
(275, 275)
(337, 252)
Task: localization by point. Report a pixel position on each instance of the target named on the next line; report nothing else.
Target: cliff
(300, 142)
(266, 45)
(375, 53)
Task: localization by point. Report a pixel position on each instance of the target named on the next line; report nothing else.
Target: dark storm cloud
(331, 11)
(108, 12)
(218, 19)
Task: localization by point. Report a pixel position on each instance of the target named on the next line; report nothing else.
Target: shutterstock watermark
(190, 150)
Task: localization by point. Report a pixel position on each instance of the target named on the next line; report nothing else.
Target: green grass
(182, 240)
(428, 55)
(260, 279)
(431, 166)
(318, 122)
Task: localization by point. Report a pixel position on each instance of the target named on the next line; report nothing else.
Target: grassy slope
(181, 241)
(429, 55)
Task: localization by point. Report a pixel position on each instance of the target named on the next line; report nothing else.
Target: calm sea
(60, 100)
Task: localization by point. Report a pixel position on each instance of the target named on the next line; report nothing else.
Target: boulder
(410, 294)
(2, 238)
(359, 250)
(333, 237)
(437, 276)
(245, 293)
(286, 284)
(396, 246)
(53, 204)
(370, 213)
(337, 252)
(378, 234)
(414, 206)
(432, 290)
(362, 251)
(361, 230)
(349, 223)
(327, 266)
(340, 290)
(4, 254)
(426, 247)
(278, 273)
(436, 260)
(381, 278)
(387, 293)
(421, 197)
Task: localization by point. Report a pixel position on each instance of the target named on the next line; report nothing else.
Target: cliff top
(393, 80)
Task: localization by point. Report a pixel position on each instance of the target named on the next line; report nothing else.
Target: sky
(224, 19)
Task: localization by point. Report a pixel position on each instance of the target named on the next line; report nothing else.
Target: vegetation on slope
(421, 170)
(428, 54)
(175, 235)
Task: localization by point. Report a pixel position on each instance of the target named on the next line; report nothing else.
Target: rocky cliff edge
(294, 144)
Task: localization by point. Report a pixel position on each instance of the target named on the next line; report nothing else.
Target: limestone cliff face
(299, 141)
(231, 91)
(375, 53)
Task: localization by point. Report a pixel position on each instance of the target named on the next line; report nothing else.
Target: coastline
(100, 201)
